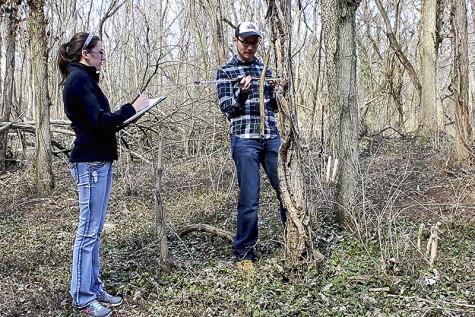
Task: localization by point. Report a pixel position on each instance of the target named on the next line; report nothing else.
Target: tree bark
(216, 17)
(41, 100)
(463, 131)
(298, 235)
(430, 106)
(9, 11)
(473, 73)
(338, 17)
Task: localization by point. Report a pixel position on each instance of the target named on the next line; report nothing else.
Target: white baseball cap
(246, 29)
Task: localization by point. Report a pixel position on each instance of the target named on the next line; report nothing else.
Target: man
(238, 93)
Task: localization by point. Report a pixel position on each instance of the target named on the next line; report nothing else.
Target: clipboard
(152, 103)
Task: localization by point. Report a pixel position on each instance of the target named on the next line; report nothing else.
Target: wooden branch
(388, 128)
(29, 127)
(379, 289)
(6, 127)
(206, 228)
(138, 156)
(329, 169)
(160, 221)
(398, 49)
(51, 121)
(109, 13)
(262, 112)
(229, 23)
(61, 148)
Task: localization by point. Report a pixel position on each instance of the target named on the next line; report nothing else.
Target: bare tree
(430, 105)
(473, 73)
(398, 49)
(292, 185)
(338, 17)
(160, 220)
(39, 81)
(463, 131)
(9, 12)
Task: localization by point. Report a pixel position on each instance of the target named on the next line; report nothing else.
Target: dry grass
(406, 184)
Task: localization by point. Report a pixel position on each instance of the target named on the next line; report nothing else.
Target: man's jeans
(94, 180)
(248, 155)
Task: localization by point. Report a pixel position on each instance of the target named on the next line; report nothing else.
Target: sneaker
(246, 266)
(108, 299)
(95, 309)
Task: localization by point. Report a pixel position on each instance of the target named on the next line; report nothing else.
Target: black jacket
(91, 118)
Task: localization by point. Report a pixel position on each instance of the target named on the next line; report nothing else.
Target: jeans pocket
(94, 168)
(95, 165)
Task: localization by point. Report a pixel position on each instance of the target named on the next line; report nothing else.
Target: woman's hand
(141, 103)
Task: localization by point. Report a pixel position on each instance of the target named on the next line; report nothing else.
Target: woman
(95, 147)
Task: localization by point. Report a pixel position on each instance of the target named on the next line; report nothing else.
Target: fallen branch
(6, 127)
(30, 128)
(138, 156)
(205, 228)
(52, 122)
(379, 289)
(388, 128)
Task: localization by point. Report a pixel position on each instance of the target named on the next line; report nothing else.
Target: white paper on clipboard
(152, 103)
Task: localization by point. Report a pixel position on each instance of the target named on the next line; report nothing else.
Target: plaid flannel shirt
(243, 109)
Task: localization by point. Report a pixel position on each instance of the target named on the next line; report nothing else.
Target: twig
(379, 289)
(329, 169)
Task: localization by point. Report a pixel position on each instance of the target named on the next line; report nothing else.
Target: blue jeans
(94, 181)
(248, 155)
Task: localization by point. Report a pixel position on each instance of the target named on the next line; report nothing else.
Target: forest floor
(375, 269)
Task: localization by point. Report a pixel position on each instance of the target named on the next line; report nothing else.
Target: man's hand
(245, 84)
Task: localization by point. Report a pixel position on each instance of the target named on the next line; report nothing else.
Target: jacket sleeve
(95, 116)
(231, 99)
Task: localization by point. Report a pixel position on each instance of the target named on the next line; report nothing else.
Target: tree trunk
(298, 236)
(338, 17)
(159, 210)
(429, 102)
(217, 26)
(41, 100)
(9, 11)
(463, 131)
(473, 73)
